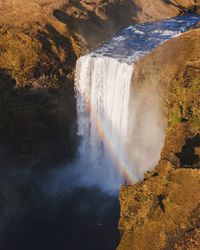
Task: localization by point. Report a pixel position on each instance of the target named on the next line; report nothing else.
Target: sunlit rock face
(121, 127)
(162, 211)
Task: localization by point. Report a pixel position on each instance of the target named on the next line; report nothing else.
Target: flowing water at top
(109, 153)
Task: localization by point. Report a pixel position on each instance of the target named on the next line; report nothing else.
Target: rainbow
(124, 167)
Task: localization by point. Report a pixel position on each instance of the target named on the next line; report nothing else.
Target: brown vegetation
(162, 211)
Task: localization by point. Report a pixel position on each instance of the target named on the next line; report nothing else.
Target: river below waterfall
(76, 206)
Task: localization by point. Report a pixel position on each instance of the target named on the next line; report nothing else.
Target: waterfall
(121, 133)
(103, 88)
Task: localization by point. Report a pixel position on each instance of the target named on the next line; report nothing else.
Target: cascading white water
(121, 134)
(102, 85)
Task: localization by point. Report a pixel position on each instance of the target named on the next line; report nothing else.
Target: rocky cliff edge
(163, 210)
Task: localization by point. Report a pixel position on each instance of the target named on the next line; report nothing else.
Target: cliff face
(40, 42)
(162, 211)
(37, 98)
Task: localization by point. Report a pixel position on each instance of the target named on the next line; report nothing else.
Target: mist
(147, 128)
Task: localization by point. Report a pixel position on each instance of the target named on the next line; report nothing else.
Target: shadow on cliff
(37, 127)
(184, 10)
(49, 37)
(189, 156)
(93, 28)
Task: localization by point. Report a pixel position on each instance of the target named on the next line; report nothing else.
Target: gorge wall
(40, 42)
(162, 211)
